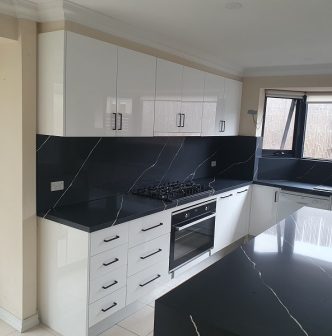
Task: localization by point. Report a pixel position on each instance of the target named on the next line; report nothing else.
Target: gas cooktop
(169, 192)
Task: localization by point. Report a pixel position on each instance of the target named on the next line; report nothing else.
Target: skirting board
(16, 323)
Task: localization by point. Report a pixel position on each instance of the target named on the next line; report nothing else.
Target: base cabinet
(232, 218)
(84, 278)
(264, 208)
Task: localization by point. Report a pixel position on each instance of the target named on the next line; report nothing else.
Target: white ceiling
(263, 33)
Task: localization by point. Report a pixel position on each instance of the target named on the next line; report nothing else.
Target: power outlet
(213, 163)
(57, 185)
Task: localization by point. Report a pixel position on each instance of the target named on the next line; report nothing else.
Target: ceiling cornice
(289, 70)
(57, 10)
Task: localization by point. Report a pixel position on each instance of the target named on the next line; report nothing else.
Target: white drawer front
(144, 282)
(107, 306)
(309, 201)
(148, 254)
(109, 238)
(108, 261)
(108, 283)
(149, 227)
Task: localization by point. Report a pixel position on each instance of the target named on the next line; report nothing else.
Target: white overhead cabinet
(222, 104)
(92, 88)
(135, 93)
(232, 219)
(179, 99)
(88, 87)
(233, 95)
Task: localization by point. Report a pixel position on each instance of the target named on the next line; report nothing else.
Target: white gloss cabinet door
(264, 209)
(90, 99)
(233, 95)
(192, 85)
(213, 119)
(233, 217)
(135, 93)
(168, 97)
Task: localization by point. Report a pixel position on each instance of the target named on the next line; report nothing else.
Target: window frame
(304, 133)
(298, 132)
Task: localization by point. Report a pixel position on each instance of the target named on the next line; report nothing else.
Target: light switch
(57, 185)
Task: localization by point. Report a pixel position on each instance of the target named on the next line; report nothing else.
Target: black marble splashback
(95, 168)
(297, 170)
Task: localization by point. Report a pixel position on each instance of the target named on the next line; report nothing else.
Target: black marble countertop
(99, 214)
(302, 187)
(277, 284)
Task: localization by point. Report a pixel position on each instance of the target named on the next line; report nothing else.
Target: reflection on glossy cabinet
(179, 99)
(77, 85)
(214, 117)
(135, 93)
(233, 95)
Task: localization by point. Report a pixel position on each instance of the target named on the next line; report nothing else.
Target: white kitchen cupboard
(179, 99)
(135, 93)
(264, 207)
(233, 95)
(214, 115)
(77, 85)
(232, 217)
(289, 202)
(89, 87)
(87, 278)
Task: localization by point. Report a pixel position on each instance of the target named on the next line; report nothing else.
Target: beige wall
(17, 172)
(253, 95)
(8, 27)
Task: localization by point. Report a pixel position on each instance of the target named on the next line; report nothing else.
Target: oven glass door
(188, 242)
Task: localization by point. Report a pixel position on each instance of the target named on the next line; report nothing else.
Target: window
(279, 124)
(318, 132)
(298, 125)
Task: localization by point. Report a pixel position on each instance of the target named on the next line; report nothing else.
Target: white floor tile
(37, 331)
(140, 323)
(5, 329)
(117, 331)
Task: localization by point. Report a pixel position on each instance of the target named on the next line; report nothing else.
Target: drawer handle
(152, 227)
(157, 277)
(149, 255)
(226, 196)
(110, 307)
(242, 191)
(109, 240)
(111, 262)
(112, 284)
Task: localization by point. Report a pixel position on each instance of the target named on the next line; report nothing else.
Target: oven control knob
(186, 215)
(206, 208)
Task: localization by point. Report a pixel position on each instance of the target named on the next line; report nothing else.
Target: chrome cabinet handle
(111, 239)
(152, 227)
(110, 307)
(146, 283)
(111, 262)
(112, 284)
(184, 118)
(222, 126)
(115, 117)
(120, 127)
(150, 255)
(178, 120)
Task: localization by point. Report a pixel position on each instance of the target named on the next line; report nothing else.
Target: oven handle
(180, 228)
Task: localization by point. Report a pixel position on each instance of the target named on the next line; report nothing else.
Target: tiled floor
(138, 324)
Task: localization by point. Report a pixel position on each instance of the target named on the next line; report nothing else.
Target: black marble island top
(277, 284)
(302, 187)
(102, 213)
